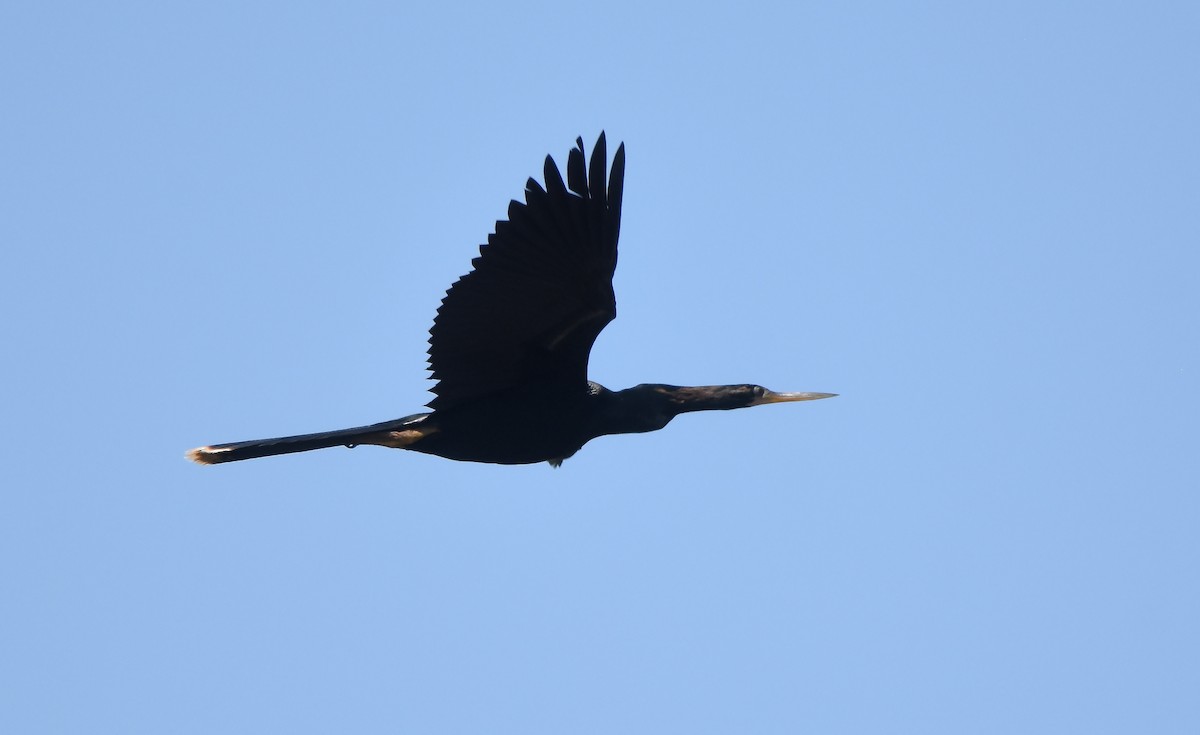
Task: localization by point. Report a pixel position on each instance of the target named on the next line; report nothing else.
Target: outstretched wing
(541, 289)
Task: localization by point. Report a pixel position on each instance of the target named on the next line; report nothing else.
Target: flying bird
(510, 343)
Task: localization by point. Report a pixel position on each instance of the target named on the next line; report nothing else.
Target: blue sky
(979, 225)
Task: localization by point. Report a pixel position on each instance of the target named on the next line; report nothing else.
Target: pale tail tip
(204, 455)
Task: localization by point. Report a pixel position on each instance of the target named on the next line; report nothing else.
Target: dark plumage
(509, 346)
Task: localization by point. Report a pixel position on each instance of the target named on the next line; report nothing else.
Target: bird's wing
(541, 289)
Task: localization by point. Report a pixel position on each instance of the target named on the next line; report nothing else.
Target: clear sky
(979, 225)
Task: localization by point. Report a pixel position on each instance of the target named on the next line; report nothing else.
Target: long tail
(398, 433)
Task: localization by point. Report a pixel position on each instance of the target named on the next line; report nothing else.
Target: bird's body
(510, 344)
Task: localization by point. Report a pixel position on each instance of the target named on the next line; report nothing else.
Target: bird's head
(723, 397)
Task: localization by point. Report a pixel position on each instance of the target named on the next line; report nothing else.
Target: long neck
(650, 407)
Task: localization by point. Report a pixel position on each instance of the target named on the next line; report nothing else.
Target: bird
(510, 343)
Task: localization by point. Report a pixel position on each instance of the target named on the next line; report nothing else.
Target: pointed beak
(773, 397)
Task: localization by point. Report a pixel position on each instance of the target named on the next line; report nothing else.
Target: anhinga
(509, 346)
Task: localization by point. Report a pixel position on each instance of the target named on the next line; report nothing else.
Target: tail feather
(398, 433)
